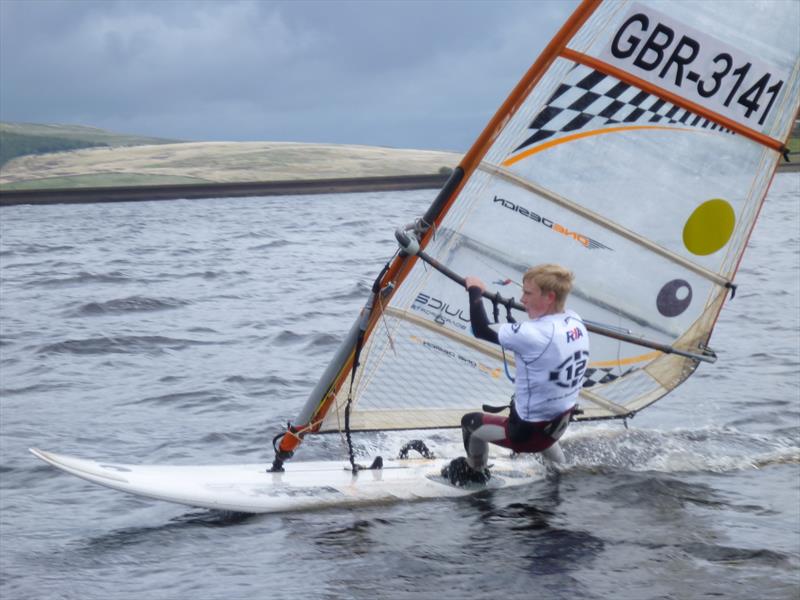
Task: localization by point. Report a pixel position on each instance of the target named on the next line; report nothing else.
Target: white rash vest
(551, 355)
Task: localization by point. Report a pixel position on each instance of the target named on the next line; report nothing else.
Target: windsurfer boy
(551, 352)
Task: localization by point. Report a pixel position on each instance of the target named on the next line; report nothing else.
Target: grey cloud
(406, 74)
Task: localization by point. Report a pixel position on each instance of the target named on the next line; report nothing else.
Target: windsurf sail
(636, 151)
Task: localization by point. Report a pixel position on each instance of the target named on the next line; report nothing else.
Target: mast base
(277, 466)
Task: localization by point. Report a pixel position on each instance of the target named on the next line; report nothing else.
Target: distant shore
(234, 189)
(221, 190)
(295, 187)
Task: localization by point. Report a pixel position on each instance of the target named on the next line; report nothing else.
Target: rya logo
(574, 334)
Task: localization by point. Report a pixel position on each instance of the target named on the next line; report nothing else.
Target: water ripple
(221, 314)
(121, 345)
(84, 278)
(187, 400)
(131, 304)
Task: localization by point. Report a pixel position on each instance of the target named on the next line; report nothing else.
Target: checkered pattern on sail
(601, 375)
(588, 99)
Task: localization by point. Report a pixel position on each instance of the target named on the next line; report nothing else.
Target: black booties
(459, 473)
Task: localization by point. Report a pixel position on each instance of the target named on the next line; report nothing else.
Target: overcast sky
(413, 74)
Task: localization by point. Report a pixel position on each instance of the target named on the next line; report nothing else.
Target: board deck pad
(302, 486)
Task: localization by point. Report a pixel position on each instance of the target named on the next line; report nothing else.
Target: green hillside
(19, 139)
(794, 141)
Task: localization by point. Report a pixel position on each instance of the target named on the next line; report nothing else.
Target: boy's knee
(471, 421)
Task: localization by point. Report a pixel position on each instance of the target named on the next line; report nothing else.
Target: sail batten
(616, 409)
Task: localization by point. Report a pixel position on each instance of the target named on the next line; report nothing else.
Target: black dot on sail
(674, 298)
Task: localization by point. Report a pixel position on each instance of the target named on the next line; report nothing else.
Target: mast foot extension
(281, 456)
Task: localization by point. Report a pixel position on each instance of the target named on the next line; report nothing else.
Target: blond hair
(552, 278)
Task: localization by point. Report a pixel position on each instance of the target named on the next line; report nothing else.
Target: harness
(520, 430)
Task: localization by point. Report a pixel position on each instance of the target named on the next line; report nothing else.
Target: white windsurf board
(251, 488)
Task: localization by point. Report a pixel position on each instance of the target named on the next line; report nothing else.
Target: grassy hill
(57, 156)
(794, 140)
(21, 139)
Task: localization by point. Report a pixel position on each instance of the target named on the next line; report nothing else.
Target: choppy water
(190, 332)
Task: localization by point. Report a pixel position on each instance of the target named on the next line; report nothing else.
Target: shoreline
(790, 167)
(295, 187)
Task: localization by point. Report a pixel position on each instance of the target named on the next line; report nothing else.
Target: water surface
(191, 331)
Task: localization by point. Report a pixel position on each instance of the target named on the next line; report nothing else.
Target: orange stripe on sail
(584, 134)
(625, 361)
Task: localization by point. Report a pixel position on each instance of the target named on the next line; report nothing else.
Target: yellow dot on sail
(709, 227)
